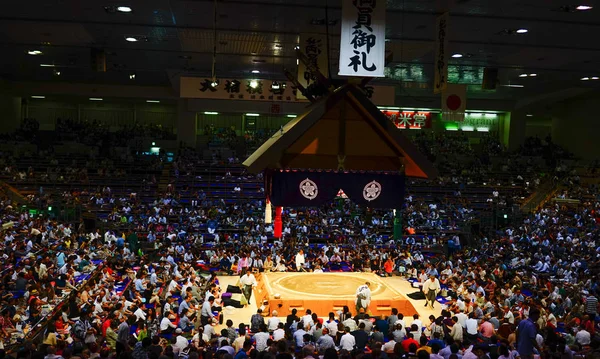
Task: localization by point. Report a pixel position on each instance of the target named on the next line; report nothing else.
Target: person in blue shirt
(243, 353)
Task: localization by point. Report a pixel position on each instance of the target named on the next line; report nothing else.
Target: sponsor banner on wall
(409, 119)
(232, 89)
(262, 90)
(440, 62)
(314, 46)
(362, 46)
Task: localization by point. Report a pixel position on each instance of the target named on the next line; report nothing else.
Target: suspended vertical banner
(362, 46)
(314, 46)
(441, 54)
(454, 103)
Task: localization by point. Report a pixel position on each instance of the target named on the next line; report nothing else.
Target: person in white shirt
(583, 337)
(431, 288)
(278, 333)
(166, 326)
(300, 260)
(180, 342)
(347, 341)
(261, 338)
(248, 281)
(273, 322)
(471, 325)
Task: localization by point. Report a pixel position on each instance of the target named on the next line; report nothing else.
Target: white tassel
(268, 213)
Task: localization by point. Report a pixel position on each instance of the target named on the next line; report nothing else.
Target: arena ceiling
(175, 37)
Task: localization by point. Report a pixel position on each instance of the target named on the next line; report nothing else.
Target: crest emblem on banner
(309, 189)
(371, 191)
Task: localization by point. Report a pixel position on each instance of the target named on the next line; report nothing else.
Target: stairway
(13, 194)
(164, 180)
(543, 193)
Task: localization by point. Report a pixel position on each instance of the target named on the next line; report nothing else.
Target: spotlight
(34, 52)
(124, 9)
(255, 72)
(275, 85)
(532, 75)
(594, 78)
(523, 75)
(457, 56)
(584, 78)
(132, 76)
(584, 7)
(56, 72)
(522, 31)
(253, 84)
(214, 83)
(131, 39)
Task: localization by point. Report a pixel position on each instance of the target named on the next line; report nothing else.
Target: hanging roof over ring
(344, 130)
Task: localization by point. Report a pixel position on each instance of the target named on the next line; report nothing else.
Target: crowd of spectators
(141, 287)
(528, 290)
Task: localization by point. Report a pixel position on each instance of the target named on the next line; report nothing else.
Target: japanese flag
(454, 103)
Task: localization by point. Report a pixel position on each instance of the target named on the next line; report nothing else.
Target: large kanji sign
(362, 45)
(409, 119)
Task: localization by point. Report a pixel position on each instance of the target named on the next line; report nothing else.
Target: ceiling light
(210, 113)
(153, 101)
(46, 65)
(34, 52)
(594, 78)
(467, 128)
(522, 31)
(255, 72)
(584, 7)
(131, 39)
(532, 75)
(523, 75)
(214, 83)
(457, 56)
(529, 115)
(252, 115)
(253, 84)
(517, 86)
(56, 72)
(38, 96)
(291, 116)
(132, 76)
(124, 9)
(95, 99)
(584, 78)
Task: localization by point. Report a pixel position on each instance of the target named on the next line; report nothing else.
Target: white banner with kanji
(362, 46)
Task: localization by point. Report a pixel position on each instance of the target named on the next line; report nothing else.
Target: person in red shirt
(106, 323)
(388, 267)
(408, 341)
(588, 325)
